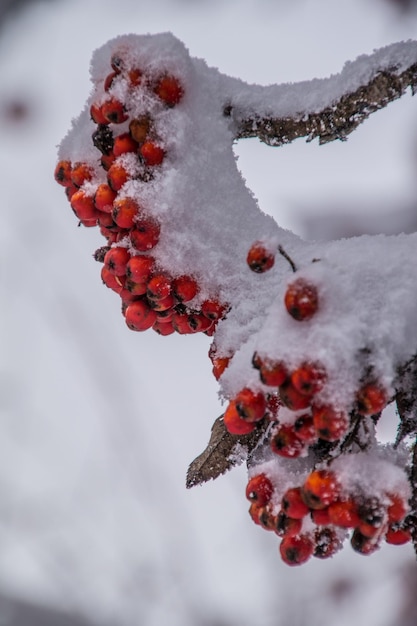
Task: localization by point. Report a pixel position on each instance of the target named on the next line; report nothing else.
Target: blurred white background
(98, 424)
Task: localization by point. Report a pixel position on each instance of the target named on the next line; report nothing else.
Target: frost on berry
(309, 347)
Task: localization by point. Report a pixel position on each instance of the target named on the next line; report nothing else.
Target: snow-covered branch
(328, 108)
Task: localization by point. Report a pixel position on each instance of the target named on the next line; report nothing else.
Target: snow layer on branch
(312, 96)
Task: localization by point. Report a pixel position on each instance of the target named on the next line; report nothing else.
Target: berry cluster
(126, 109)
(313, 519)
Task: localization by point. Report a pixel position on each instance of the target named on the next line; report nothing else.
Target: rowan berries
(139, 268)
(320, 489)
(297, 549)
(293, 504)
(371, 398)
(139, 316)
(185, 288)
(330, 424)
(308, 378)
(250, 405)
(301, 299)
(139, 128)
(259, 489)
(145, 234)
(292, 398)
(234, 423)
(259, 258)
(151, 153)
(285, 442)
(271, 372)
(124, 143)
(113, 111)
(169, 89)
(125, 211)
(62, 173)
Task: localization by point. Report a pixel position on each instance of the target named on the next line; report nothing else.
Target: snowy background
(98, 424)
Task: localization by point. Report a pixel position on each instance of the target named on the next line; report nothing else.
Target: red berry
(104, 198)
(292, 398)
(344, 513)
(162, 304)
(169, 89)
(293, 505)
(80, 173)
(234, 423)
(115, 260)
(116, 283)
(213, 309)
(139, 316)
(135, 77)
(84, 208)
(301, 299)
(250, 405)
(219, 365)
(320, 489)
(272, 373)
(62, 173)
(362, 544)
(296, 550)
(125, 211)
(136, 289)
(198, 323)
(139, 268)
(397, 509)
(398, 536)
(151, 153)
(309, 378)
(267, 518)
(320, 516)
(145, 235)
(285, 442)
(373, 516)
(108, 82)
(96, 113)
(330, 423)
(259, 489)
(107, 161)
(185, 288)
(113, 111)
(259, 258)
(255, 511)
(371, 398)
(304, 428)
(117, 175)
(163, 329)
(159, 287)
(124, 143)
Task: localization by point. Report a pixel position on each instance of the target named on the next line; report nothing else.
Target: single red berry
(139, 316)
(259, 489)
(250, 405)
(108, 81)
(113, 111)
(219, 365)
(136, 288)
(198, 323)
(139, 268)
(293, 505)
(234, 423)
(293, 399)
(145, 235)
(70, 191)
(62, 173)
(185, 288)
(116, 259)
(397, 509)
(213, 309)
(301, 299)
(116, 283)
(320, 516)
(373, 516)
(181, 324)
(159, 287)
(80, 173)
(267, 518)
(371, 398)
(272, 372)
(398, 536)
(104, 198)
(163, 329)
(117, 175)
(330, 423)
(259, 258)
(296, 550)
(320, 489)
(162, 304)
(309, 378)
(97, 115)
(151, 153)
(344, 513)
(134, 76)
(326, 543)
(169, 89)
(107, 161)
(255, 511)
(124, 143)
(285, 442)
(83, 207)
(125, 211)
(304, 428)
(287, 526)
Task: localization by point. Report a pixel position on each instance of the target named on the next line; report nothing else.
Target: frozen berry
(301, 299)
(259, 258)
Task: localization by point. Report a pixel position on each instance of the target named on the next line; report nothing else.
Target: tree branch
(338, 105)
